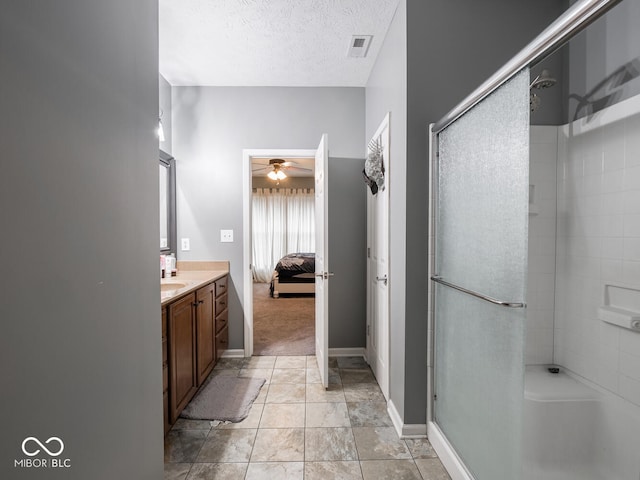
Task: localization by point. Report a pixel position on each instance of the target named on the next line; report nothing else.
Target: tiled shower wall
(542, 244)
(598, 242)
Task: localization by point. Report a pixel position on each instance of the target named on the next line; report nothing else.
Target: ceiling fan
(277, 166)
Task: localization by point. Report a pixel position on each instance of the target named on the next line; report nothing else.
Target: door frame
(247, 237)
(385, 124)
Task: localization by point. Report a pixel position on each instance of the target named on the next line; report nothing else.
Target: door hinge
(368, 330)
(368, 252)
(435, 397)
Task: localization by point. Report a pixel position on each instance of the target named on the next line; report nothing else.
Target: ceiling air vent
(359, 45)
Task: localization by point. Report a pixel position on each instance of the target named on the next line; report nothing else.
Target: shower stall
(535, 260)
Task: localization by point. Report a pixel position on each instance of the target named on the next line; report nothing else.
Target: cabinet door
(165, 371)
(206, 355)
(182, 366)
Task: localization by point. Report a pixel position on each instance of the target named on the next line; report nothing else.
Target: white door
(322, 264)
(378, 269)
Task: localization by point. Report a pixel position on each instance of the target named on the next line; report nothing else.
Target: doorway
(263, 156)
(283, 254)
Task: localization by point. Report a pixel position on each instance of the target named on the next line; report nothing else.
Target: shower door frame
(569, 24)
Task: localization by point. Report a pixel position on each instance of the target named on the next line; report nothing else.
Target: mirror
(167, 191)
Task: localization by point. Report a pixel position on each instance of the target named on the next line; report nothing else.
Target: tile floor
(297, 430)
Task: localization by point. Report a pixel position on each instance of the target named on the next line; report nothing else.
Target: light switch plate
(226, 235)
(185, 245)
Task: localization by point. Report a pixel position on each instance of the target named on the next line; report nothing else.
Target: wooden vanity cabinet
(205, 333)
(183, 382)
(194, 335)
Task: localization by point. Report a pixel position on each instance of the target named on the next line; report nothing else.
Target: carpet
(283, 326)
(224, 398)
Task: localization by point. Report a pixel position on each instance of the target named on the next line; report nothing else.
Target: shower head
(544, 80)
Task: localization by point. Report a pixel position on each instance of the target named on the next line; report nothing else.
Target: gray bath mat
(224, 398)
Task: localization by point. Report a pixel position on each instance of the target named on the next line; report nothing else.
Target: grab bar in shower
(486, 298)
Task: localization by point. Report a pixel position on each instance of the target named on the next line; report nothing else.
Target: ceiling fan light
(272, 175)
(280, 175)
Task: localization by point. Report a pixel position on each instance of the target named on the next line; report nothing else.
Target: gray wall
(81, 354)
(347, 253)
(387, 92)
(165, 111)
(211, 127)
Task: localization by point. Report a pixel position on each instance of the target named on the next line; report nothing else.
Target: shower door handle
(486, 298)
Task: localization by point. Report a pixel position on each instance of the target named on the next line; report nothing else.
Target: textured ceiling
(269, 42)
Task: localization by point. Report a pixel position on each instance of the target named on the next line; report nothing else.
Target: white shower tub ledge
(574, 430)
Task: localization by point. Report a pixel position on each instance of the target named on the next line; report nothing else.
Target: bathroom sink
(167, 287)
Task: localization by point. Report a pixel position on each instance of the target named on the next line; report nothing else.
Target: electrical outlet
(185, 245)
(226, 236)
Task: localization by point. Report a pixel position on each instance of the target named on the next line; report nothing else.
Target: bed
(294, 273)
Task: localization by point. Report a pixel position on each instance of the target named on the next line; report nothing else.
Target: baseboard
(416, 430)
(448, 456)
(233, 353)
(395, 417)
(347, 352)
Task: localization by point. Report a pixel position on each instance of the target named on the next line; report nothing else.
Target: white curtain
(283, 222)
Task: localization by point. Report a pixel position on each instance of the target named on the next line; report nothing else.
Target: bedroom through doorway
(283, 254)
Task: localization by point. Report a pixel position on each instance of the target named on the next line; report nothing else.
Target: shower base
(576, 431)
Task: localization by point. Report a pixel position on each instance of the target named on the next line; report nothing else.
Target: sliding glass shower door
(481, 269)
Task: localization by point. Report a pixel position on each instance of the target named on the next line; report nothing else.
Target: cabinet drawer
(222, 320)
(221, 304)
(222, 341)
(221, 286)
